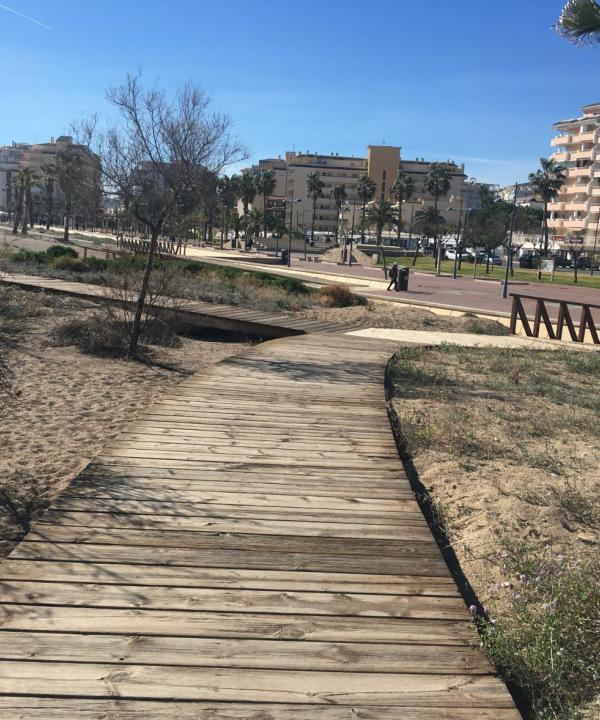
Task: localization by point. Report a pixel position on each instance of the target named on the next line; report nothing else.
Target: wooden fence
(554, 328)
(164, 247)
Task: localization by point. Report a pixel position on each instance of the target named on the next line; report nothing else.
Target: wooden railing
(554, 329)
(165, 247)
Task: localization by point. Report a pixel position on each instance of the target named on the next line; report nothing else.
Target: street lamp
(292, 202)
(510, 238)
(347, 209)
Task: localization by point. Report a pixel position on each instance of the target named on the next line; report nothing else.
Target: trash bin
(403, 278)
(284, 256)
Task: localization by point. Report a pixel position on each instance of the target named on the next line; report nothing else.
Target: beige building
(18, 156)
(381, 164)
(575, 213)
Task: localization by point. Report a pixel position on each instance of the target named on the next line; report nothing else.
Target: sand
(69, 405)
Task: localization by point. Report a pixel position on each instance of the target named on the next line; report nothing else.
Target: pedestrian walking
(393, 277)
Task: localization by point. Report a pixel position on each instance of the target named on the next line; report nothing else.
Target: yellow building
(575, 213)
(381, 164)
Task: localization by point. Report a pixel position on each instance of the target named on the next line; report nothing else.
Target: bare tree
(159, 158)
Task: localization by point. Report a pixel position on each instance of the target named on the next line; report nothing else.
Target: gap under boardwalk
(249, 548)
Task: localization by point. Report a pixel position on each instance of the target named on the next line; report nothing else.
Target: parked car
(560, 261)
(451, 254)
(528, 261)
(481, 256)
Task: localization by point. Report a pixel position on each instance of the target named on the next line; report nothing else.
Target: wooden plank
(230, 511)
(229, 685)
(285, 544)
(409, 530)
(221, 600)
(193, 577)
(253, 560)
(184, 623)
(40, 708)
(259, 654)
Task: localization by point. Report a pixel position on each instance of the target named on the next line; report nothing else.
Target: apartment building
(18, 156)
(575, 213)
(526, 196)
(381, 164)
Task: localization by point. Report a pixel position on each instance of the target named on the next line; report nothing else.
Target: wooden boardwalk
(249, 548)
(193, 312)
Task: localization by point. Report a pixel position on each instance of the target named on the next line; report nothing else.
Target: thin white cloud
(25, 17)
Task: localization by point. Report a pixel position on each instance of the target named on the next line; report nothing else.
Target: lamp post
(291, 228)
(510, 238)
(595, 243)
(353, 204)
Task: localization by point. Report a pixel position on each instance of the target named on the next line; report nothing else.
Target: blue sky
(479, 82)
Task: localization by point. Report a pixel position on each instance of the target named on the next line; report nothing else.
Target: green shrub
(96, 264)
(69, 264)
(548, 641)
(55, 251)
(29, 256)
(192, 267)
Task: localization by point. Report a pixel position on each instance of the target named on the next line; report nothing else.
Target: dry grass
(507, 445)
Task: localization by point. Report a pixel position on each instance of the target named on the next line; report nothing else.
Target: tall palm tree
(247, 190)
(427, 222)
(48, 188)
(26, 179)
(365, 189)
(265, 184)
(381, 215)
(546, 182)
(314, 190)
(254, 220)
(228, 193)
(579, 22)
(402, 190)
(437, 184)
(339, 196)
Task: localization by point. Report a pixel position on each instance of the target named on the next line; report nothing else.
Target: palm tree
(437, 184)
(265, 184)
(228, 193)
(546, 182)
(237, 224)
(427, 222)
(49, 179)
(247, 190)
(381, 215)
(314, 189)
(402, 190)
(579, 22)
(339, 196)
(26, 179)
(365, 189)
(254, 220)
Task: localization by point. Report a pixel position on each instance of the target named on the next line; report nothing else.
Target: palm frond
(579, 22)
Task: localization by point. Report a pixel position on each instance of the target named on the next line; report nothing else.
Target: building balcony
(556, 206)
(560, 140)
(574, 224)
(576, 206)
(579, 172)
(561, 157)
(584, 137)
(581, 154)
(596, 192)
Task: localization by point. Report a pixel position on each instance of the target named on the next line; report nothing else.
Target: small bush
(55, 251)
(29, 257)
(339, 296)
(69, 264)
(192, 267)
(96, 264)
(548, 643)
(106, 336)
